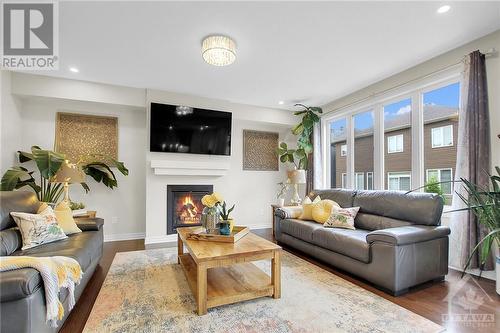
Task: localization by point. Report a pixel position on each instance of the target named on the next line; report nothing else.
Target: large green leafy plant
(303, 130)
(48, 164)
(484, 202)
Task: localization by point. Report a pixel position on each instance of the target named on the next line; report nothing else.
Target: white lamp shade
(297, 176)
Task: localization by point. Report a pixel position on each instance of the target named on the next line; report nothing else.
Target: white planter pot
(497, 268)
(281, 202)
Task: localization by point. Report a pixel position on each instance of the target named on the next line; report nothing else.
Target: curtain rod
(488, 53)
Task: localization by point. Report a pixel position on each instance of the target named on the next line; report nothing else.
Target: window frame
(343, 177)
(441, 128)
(415, 89)
(439, 176)
(356, 174)
(400, 174)
(343, 153)
(367, 180)
(389, 151)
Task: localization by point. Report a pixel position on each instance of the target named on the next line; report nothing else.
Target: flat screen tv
(184, 129)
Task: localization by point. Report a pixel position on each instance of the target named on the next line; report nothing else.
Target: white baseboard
(160, 239)
(173, 238)
(122, 237)
(491, 275)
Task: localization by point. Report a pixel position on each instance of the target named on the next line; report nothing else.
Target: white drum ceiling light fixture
(218, 50)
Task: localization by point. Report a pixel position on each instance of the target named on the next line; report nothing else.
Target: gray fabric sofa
(22, 297)
(398, 242)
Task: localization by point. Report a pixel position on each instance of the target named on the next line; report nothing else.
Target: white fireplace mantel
(216, 168)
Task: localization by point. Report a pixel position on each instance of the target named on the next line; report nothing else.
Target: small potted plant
(283, 186)
(227, 223)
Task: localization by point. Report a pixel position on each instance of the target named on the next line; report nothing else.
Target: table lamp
(68, 173)
(296, 177)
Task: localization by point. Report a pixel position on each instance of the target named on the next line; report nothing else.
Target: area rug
(146, 291)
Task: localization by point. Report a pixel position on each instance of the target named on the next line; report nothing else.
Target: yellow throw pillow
(323, 209)
(65, 219)
(307, 206)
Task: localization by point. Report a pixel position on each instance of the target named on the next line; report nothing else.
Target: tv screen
(183, 129)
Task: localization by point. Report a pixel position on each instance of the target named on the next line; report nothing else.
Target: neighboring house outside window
(441, 175)
(442, 136)
(344, 180)
(343, 150)
(399, 181)
(369, 180)
(395, 144)
(359, 181)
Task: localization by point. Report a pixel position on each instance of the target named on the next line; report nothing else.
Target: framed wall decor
(79, 135)
(259, 150)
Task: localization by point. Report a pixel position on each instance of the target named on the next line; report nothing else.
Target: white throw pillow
(342, 218)
(38, 229)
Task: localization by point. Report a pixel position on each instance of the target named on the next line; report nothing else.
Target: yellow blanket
(57, 272)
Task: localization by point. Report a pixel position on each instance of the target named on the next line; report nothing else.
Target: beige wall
(493, 72)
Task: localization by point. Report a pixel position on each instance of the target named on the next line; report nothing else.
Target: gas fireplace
(184, 205)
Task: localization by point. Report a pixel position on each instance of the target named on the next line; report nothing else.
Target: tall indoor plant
(48, 164)
(299, 158)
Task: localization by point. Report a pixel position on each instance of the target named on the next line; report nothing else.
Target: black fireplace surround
(184, 205)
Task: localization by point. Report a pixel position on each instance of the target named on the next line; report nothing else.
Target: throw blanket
(57, 272)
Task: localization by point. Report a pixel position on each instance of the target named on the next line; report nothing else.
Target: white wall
(125, 203)
(10, 122)
(139, 203)
(252, 191)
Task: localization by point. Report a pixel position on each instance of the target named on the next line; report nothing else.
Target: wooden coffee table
(223, 273)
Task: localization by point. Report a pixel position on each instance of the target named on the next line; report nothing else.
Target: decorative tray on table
(237, 233)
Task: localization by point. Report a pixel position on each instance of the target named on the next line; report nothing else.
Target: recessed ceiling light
(281, 102)
(443, 9)
(74, 69)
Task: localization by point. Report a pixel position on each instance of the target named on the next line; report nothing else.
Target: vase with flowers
(210, 217)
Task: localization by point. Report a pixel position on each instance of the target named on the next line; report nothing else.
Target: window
(338, 148)
(359, 181)
(399, 181)
(440, 116)
(394, 133)
(363, 124)
(343, 150)
(440, 175)
(369, 180)
(395, 144)
(442, 136)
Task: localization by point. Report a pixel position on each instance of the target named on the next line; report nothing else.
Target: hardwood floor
(474, 303)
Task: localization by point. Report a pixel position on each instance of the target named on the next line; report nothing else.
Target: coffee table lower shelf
(226, 285)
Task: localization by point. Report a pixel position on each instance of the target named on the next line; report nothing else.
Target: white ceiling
(309, 52)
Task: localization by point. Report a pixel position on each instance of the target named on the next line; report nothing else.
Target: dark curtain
(477, 121)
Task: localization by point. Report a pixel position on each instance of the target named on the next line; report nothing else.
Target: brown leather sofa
(398, 242)
(22, 300)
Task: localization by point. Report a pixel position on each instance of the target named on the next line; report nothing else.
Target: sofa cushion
(10, 241)
(16, 201)
(375, 222)
(19, 283)
(351, 243)
(341, 196)
(300, 229)
(82, 247)
(416, 208)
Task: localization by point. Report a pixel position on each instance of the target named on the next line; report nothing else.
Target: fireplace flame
(188, 212)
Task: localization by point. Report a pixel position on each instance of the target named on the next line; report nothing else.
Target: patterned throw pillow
(38, 229)
(342, 218)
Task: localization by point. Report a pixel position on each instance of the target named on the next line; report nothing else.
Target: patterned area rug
(146, 291)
